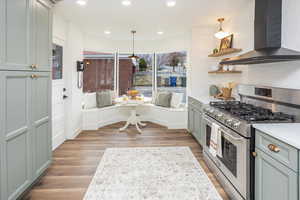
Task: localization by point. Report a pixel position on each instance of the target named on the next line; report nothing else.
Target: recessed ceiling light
(107, 32)
(171, 3)
(81, 2)
(160, 32)
(126, 3)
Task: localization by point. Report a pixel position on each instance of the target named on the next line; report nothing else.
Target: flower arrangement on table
(133, 95)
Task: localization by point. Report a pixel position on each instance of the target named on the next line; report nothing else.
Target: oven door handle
(231, 136)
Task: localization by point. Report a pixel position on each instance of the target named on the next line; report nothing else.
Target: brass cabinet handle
(34, 76)
(274, 148)
(33, 66)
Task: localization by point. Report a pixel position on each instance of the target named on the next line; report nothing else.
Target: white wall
(59, 120)
(74, 53)
(202, 44)
(71, 38)
(101, 44)
(242, 25)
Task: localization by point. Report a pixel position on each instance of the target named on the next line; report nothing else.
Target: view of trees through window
(170, 73)
(137, 76)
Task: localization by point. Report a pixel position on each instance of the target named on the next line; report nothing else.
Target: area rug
(159, 173)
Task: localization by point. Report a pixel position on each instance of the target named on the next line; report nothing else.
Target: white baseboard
(57, 141)
(108, 122)
(76, 133)
(177, 126)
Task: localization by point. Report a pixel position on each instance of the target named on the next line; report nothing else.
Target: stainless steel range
(235, 168)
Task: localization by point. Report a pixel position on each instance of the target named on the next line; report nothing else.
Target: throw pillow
(90, 100)
(104, 99)
(176, 100)
(163, 99)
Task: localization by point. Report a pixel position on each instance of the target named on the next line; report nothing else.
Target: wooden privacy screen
(99, 75)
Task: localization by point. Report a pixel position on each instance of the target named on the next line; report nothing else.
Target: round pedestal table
(134, 118)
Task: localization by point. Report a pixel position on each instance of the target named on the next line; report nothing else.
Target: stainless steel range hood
(267, 37)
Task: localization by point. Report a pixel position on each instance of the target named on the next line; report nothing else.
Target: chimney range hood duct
(267, 37)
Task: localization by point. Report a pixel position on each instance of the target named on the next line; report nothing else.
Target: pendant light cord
(133, 32)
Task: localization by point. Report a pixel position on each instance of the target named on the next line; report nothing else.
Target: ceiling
(146, 16)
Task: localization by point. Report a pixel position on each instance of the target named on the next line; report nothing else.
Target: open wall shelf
(225, 52)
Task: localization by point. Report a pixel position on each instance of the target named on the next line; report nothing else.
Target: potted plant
(142, 64)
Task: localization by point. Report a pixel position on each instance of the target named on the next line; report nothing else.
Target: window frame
(154, 69)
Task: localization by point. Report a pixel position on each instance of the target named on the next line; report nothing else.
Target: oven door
(234, 163)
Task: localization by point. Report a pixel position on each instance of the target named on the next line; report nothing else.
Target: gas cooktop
(251, 113)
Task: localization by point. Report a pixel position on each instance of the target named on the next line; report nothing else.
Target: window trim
(154, 69)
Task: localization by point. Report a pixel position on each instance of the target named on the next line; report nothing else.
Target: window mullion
(116, 73)
(154, 75)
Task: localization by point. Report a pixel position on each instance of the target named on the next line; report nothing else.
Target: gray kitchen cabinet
(14, 34)
(42, 35)
(197, 125)
(15, 138)
(194, 119)
(25, 136)
(41, 133)
(25, 32)
(276, 169)
(190, 119)
(273, 180)
(25, 81)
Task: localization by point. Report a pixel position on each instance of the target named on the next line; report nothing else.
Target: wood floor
(75, 161)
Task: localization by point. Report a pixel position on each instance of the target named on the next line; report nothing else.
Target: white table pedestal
(133, 120)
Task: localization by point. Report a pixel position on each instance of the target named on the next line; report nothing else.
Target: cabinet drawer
(273, 180)
(278, 150)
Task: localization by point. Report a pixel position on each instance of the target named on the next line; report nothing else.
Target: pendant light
(221, 33)
(133, 56)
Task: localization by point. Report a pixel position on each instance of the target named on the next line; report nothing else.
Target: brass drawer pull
(33, 66)
(33, 76)
(274, 148)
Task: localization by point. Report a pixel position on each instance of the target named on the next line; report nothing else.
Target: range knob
(219, 115)
(228, 121)
(211, 111)
(236, 124)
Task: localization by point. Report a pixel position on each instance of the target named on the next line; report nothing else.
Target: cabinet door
(42, 34)
(16, 159)
(190, 119)
(199, 128)
(15, 33)
(197, 125)
(41, 121)
(273, 180)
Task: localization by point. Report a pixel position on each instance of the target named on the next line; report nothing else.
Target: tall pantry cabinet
(25, 93)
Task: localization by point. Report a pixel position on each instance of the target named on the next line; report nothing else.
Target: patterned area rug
(162, 173)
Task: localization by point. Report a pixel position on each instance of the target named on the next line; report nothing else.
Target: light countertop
(288, 133)
(207, 99)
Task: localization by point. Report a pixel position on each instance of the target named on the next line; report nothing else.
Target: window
(138, 76)
(57, 58)
(171, 72)
(99, 71)
(112, 71)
